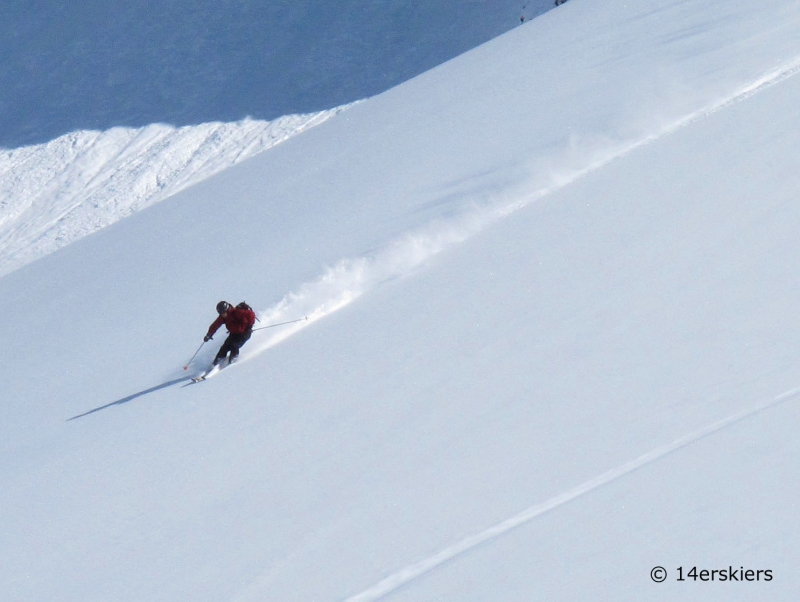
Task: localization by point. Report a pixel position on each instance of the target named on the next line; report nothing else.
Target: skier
(239, 321)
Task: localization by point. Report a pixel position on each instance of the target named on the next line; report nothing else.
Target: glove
(207, 338)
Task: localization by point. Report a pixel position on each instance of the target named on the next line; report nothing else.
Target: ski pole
(186, 367)
(281, 324)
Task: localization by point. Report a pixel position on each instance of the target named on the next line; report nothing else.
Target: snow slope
(551, 343)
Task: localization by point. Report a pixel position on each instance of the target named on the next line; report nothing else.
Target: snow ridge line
(404, 576)
(604, 157)
(351, 277)
(781, 73)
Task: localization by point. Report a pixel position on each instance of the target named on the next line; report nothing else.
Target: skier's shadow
(134, 396)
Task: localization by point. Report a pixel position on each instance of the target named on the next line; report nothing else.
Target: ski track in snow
(52, 194)
(404, 576)
(352, 277)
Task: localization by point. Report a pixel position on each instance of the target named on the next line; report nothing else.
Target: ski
(210, 372)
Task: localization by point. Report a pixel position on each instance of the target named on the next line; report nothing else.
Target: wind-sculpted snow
(55, 193)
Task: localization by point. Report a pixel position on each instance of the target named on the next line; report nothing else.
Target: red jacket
(236, 320)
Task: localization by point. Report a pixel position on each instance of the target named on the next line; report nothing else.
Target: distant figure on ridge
(239, 321)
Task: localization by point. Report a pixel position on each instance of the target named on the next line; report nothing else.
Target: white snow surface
(551, 287)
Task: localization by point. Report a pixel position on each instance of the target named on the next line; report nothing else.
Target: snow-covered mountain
(120, 105)
(550, 345)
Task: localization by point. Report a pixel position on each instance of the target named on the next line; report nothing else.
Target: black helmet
(222, 307)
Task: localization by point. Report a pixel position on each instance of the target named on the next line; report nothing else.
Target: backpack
(247, 323)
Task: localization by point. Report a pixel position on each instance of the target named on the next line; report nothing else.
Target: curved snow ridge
(404, 576)
(52, 194)
(344, 282)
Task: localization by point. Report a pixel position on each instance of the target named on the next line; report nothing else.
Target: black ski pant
(232, 345)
